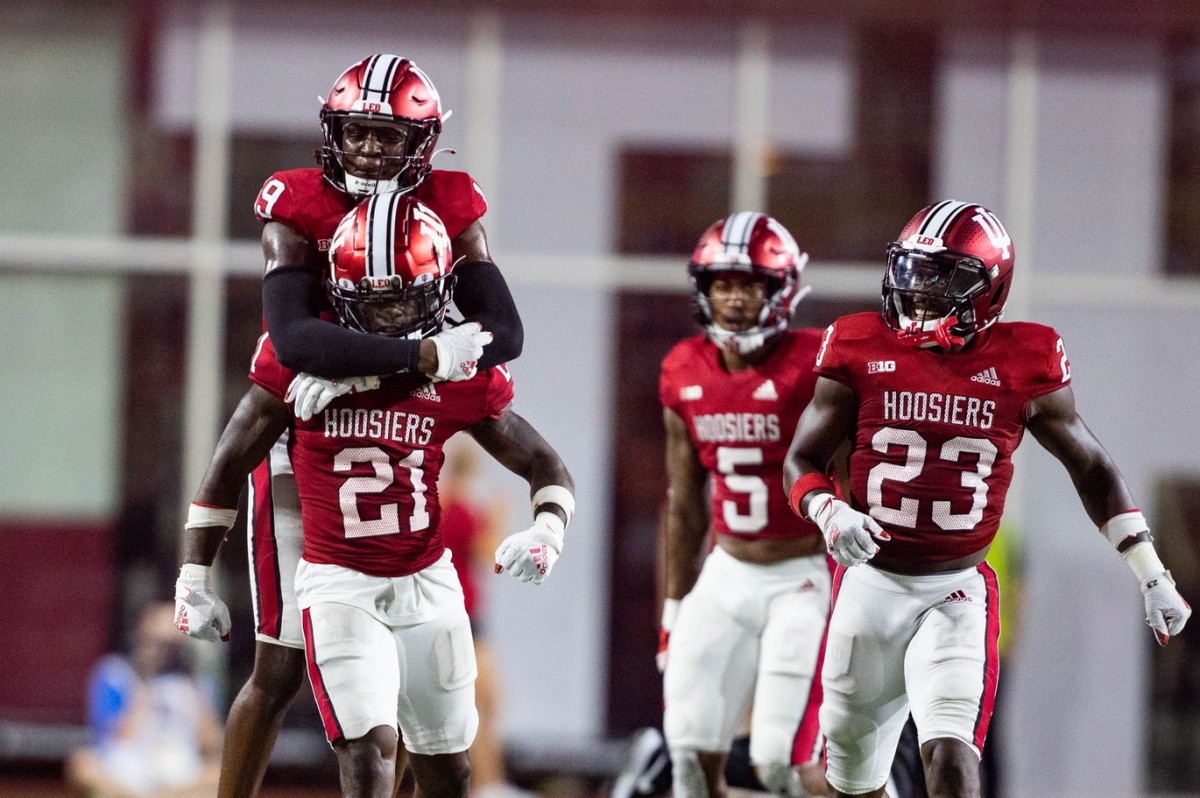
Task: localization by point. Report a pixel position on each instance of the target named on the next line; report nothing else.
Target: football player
(747, 627)
(386, 635)
(936, 392)
(380, 121)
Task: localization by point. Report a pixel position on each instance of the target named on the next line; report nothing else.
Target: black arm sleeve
(483, 296)
(305, 343)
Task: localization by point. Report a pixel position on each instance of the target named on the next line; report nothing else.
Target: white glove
(1166, 610)
(458, 351)
(199, 612)
(847, 532)
(313, 394)
(530, 555)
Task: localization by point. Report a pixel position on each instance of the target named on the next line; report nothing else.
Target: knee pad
(687, 777)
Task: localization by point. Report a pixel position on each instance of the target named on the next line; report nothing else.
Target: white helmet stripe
(738, 227)
(380, 73)
(939, 219)
(380, 231)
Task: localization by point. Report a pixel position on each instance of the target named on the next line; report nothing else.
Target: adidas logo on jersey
(427, 392)
(766, 391)
(988, 377)
(957, 595)
(690, 393)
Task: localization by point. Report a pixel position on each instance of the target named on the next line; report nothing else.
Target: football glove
(529, 555)
(1166, 610)
(313, 394)
(847, 532)
(458, 351)
(199, 612)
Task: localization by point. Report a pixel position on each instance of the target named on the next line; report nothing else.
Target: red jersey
(306, 202)
(461, 525)
(741, 424)
(932, 457)
(367, 466)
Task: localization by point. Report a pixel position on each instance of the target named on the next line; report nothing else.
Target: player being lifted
(935, 393)
(748, 626)
(385, 628)
(380, 121)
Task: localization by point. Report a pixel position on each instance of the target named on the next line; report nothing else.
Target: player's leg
(952, 669)
(785, 739)
(436, 703)
(256, 716)
(275, 541)
(355, 678)
(710, 673)
(864, 705)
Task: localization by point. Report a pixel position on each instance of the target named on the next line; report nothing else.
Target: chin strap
(940, 335)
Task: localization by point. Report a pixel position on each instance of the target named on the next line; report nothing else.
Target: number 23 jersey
(932, 456)
(741, 424)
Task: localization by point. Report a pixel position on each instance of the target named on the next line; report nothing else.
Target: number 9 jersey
(932, 458)
(741, 423)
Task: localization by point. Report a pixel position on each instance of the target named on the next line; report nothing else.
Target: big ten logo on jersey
(881, 366)
(432, 226)
(270, 194)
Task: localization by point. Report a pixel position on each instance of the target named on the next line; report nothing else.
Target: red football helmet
(756, 245)
(387, 91)
(390, 268)
(950, 271)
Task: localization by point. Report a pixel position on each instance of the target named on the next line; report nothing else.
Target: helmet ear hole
(1000, 294)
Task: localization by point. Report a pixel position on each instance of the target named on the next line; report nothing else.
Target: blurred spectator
(154, 729)
(471, 530)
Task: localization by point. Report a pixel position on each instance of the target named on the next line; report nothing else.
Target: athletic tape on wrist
(555, 494)
(670, 613)
(1123, 526)
(1143, 560)
(201, 515)
(803, 486)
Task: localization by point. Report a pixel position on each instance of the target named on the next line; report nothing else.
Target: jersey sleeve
(266, 371)
(1055, 370)
(668, 381)
(455, 197)
(500, 394)
(831, 360)
(277, 201)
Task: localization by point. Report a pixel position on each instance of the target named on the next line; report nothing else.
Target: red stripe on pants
(991, 671)
(266, 554)
(333, 729)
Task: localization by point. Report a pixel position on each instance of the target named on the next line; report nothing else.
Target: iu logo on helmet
(995, 231)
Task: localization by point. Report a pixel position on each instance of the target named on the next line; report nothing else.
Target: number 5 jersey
(741, 424)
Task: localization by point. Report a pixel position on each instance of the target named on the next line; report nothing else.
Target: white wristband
(200, 515)
(1143, 560)
(555, 494)
(1123, 526)
(670, 612)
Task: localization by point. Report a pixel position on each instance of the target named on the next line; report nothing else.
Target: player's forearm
(686, 531)
(305, 343)
(483, 296)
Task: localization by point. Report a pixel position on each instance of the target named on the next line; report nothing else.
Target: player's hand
(847, 532)
(199, 612)
(664, 641)
(313, 394)
(458, 351)
(1166, 610)
(530, 555)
